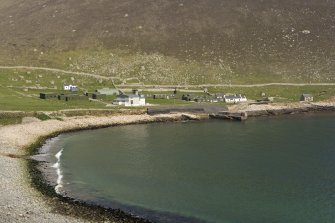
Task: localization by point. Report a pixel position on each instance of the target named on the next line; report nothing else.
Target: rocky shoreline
(254, 110)
(22, 202)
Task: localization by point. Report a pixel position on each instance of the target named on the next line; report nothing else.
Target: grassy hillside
(20, 88)
(175, 41)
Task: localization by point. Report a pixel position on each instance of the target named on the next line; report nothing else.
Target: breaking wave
(59, 173)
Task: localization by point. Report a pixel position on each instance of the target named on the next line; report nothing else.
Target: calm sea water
(262, 170)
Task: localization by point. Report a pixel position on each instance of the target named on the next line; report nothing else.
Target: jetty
(237, 116)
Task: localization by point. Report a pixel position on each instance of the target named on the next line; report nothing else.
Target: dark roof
(48, 93)
(130, 96)
(307, 95)
(123, 96)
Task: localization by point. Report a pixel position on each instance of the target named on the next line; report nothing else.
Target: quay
(237, 116)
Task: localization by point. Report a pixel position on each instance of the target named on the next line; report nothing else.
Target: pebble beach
(19, 201)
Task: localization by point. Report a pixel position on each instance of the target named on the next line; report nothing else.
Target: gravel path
(57, 70)
(165, 87)
(154, 87)
(19, 202)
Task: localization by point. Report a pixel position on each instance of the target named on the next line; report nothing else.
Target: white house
(130, 100)
(220, 96)
(70, 87)
(306, 98)
(237, 98)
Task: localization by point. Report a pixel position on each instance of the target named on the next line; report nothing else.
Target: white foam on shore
(59, 173)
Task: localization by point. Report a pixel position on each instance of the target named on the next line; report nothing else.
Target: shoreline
(275, 109)
(24, 198)
(42, 169)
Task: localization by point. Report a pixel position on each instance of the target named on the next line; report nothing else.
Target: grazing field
(19, 90)
(127, 67)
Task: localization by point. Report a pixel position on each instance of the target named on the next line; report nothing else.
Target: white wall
(129, 102)
(236, 100)
(69, 87)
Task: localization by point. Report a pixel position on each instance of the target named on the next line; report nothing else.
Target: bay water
(262, 170)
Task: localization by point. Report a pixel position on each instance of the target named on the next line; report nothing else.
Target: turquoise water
(262, 170)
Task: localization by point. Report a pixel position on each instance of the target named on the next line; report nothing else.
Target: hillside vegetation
(20, 89)
(174, 41)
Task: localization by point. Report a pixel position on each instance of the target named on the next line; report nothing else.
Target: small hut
(98, 96)
(306, 98)
(48, 95)
(74, 97)
(70, 87)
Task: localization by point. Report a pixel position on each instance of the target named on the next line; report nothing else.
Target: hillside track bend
(163, 86)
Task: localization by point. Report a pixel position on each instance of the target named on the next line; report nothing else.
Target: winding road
(56, 70)
(162, 86)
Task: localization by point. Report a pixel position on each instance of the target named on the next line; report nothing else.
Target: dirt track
(165, 86)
